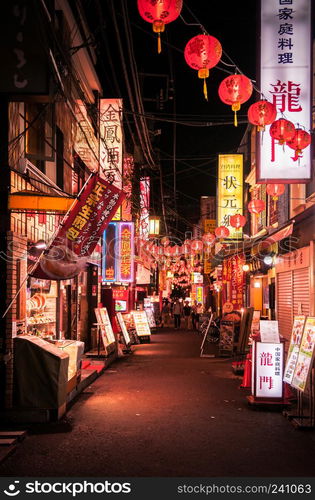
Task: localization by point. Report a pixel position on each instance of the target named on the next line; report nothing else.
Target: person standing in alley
(193, 314)
(187, 313)
(178, 312)
(199, 310)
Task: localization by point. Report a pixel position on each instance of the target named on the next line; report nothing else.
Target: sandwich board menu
(151, 318)
(269, 332)
(123, 327)
(305, 356)
(141, 323)
(295, 342)
(105, 326)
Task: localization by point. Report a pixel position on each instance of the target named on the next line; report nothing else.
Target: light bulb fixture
(40, 245)
(245, 268)
(257, 284)
(268, 260)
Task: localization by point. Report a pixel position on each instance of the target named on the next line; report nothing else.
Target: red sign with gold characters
(233, 278)
(126, 251)
(81, 231)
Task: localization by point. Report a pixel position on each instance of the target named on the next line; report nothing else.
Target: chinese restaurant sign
(305, 357)
(109, 262)
(85, 143)
(126, 251)
(111, 156)
(144, 207)
(128, 168)
(141, 323)
(76, 239)
(268, 360)
(230, 191)
(295, 341)
(285, 80)
(233, 278)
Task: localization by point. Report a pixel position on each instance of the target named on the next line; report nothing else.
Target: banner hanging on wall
(285, 81)
(77, 237)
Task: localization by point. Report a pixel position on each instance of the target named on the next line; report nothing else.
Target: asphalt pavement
(163, 411)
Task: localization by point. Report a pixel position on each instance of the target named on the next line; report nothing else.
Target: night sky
(234, 25)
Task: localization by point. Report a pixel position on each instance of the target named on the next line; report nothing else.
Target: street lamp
(154, 226)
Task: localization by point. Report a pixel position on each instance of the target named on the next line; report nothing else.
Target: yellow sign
(230, 191)
(209, 225)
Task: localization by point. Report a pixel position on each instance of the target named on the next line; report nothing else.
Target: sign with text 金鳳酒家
(76, 239)
(285, 81)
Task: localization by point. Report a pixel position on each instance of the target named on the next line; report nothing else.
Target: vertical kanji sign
(230, 191)
(268, 362)
(285, 80)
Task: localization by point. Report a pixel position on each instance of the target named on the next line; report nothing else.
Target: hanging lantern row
(159, 13)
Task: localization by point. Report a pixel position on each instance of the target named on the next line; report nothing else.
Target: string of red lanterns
(262, 113)
(235, 90)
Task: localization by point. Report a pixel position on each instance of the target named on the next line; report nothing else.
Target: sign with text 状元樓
(285, 80)
(230, 191)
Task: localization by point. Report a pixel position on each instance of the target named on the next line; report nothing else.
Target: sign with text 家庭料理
(295, 342)
(285, 81)
(305, 356)
(230, 191)
(268, 362)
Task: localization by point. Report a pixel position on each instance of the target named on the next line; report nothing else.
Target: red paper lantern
(196, 246)
(300, 141)
(208, 238)
(222, 232)
(202, 53)
(159, 13)
(256, 206)
(275, 190)
(282, 130)
(237, 221)
(262, 113)
(235, 90)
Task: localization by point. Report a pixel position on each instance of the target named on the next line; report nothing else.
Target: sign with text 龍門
(230, 191)
(285, 81)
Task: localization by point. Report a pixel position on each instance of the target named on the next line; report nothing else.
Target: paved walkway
(164, 411)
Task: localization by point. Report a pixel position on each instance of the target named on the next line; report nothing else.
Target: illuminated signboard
(105, 326)
(230, 191)
(144, 207)
(109, 262)
(126, 251)
(268, 361)
(141, 323)
(123, 327)
(128, 168)
(285, 80)
(199, 294)
(111, 156)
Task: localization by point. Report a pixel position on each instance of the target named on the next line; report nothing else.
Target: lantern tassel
(235, 118)
(205, 89)
(159, 43)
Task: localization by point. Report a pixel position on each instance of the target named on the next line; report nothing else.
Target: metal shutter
(301, 290)
(285, 303)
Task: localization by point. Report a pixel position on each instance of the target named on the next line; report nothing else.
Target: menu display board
(105, 326)
(151, 318)
(269, 331)
(295, 342)
(141, 323)
(123, 327)
(305, 356)
(226, 337)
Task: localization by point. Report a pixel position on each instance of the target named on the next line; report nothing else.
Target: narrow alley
(164, 411)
